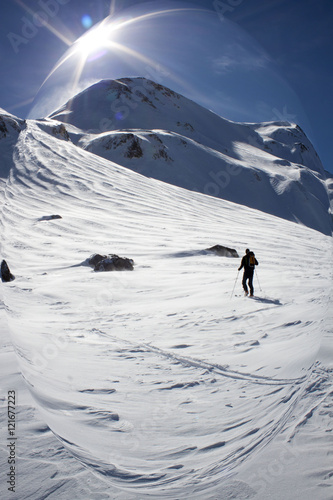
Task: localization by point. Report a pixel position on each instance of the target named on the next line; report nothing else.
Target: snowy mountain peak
(158, 133)
(152, 130)
(138, 103)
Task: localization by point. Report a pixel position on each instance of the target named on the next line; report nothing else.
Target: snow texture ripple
(158, 379)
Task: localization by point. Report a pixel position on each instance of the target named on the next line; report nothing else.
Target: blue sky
(295, 37)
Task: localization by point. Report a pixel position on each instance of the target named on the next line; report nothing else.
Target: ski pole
(234, 285)
(258, 280)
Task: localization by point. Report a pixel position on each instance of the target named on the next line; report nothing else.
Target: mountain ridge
(149, 128)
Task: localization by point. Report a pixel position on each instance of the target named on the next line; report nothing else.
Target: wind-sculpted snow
(157, 379)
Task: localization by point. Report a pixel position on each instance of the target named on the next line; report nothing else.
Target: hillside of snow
(10, 127)
(163, 381)
(329, 186)
(154, 131)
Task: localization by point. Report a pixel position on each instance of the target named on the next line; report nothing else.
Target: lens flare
(86, 21)
(190, 50)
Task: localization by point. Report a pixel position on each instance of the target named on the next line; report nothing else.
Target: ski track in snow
(157, 379)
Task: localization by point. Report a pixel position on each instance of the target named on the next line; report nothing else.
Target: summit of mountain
(159, 133)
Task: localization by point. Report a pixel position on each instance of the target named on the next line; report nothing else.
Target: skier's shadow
(265, 300)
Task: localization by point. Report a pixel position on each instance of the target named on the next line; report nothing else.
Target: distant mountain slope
(10, 127)
(152, 130)
(138, 103)
(329, 185)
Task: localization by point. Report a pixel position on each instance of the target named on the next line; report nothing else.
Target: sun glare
(187, 49)
(96, 39)
(102, 39)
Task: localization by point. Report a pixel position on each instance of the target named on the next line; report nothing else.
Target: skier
(248, 262)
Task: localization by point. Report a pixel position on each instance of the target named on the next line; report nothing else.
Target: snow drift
(158, 380)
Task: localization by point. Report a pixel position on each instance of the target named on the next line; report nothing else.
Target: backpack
(252, 260)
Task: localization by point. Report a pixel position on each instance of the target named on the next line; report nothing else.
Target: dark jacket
(248, 269)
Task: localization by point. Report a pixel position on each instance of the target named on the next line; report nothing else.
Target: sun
(105, 39)
(100, 37)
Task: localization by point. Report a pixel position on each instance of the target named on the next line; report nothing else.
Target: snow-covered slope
(329, 185)
(154, 131)
(158, 379)
(10, 127)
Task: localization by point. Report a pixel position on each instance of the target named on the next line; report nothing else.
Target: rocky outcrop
(110, 263)
(49, 217)
(9, 123)
(6, 275)
(60, 131)
(223, 251)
